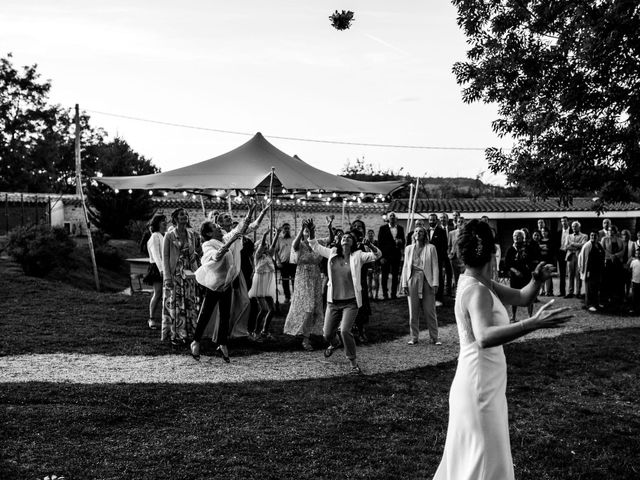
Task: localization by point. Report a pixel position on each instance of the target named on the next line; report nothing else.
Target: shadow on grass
(572, 401)
(43, 316)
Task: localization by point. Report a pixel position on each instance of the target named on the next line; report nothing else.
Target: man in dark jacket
(438, 237)
(391, 243)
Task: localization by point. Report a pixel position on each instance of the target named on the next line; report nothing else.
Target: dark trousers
(592, 291)
(444, 279)
(288, 274)
(392, 266)
(562, 272)
(635, 297)
(211, 299)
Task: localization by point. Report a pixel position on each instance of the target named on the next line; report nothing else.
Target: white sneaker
(438, 303)
(593, 309)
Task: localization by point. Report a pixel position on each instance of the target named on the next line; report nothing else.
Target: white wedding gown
(477, 445)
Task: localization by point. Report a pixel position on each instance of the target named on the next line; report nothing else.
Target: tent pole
(415, 200)
(275, 272)
(409, 219)
(204, 211)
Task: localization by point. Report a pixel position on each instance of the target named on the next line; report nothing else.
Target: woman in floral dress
(180, 259)
(305, 315)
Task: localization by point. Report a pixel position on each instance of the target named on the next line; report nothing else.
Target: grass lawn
(573, 406)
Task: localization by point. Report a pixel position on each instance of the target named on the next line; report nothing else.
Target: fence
(19, 211)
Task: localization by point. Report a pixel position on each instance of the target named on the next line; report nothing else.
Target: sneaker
(412, 342)
(355, 370)
(569, 295)
(437, 343)
(438, 303)
(154, 324)
(593, 309)
(195, 350)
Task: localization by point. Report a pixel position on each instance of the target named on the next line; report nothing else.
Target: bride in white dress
(477, 445)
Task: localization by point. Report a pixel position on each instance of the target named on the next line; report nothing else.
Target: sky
(277, 67)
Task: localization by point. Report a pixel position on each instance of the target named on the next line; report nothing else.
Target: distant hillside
(444, 187)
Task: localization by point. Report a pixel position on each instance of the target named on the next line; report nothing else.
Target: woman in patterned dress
(180, 258)
(305, 315)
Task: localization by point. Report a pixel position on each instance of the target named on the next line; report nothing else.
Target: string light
(308, 193)
(184, 194)
(166, 194)
(334, 195)
(284, 190)
(130, 191)
(117, 191)
(304, 202)
(150, 192)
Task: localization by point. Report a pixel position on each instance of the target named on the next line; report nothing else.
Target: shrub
(40, 248)
(109, 257)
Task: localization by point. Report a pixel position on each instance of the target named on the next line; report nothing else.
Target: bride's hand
(549, 318)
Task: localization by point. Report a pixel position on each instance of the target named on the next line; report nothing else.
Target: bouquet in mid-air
(341, 20)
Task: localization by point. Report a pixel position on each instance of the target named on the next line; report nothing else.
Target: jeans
(341, 314)
(288, 274)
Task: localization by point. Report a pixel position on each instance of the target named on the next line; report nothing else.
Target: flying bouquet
(341, 20)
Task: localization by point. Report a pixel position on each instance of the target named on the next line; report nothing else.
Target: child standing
(263, 287)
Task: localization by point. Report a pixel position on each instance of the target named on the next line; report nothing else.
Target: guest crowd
(217, 283)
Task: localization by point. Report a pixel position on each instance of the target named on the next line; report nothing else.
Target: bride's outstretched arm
(479, 304)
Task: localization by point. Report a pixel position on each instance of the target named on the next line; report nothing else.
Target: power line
(297, 139)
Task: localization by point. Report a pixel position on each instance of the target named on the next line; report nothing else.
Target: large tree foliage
(37, 139)
(566, 77)
(24, 116)
(113, 211)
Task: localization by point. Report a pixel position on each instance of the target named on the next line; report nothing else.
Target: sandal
(329, 351)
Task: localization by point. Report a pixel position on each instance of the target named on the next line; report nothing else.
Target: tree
(113, 211)
(24, 115)
(37, 152)
(566, 78)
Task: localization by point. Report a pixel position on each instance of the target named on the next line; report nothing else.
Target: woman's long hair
(354, 242)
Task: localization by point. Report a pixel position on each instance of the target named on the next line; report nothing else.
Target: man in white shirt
(283, 260)
(575, 243)
(563, 242)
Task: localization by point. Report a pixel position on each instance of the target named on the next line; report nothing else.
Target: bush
(108, 256)
(40, 248)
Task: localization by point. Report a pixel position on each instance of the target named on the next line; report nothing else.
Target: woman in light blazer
(419, 280)
(344, 289)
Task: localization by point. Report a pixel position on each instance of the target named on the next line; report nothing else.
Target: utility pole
(80, 193)
(77, 152)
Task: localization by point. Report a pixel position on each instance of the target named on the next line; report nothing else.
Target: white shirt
(356, 260)
(154, 247)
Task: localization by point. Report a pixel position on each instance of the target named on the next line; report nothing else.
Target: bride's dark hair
(476, 244)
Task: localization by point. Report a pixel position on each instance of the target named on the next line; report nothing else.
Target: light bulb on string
(284, 190)
(184, 194)
(334, 194)
(304, 202)
(130, 191)
(117, 191)
(166, 194)
(150, 192)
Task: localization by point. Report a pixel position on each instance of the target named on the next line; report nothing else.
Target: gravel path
(379, 358)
